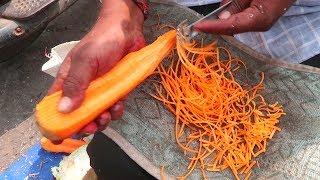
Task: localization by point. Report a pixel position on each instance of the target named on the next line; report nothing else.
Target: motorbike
(22, 21)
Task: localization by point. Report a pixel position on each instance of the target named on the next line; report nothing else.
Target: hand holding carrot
(246, 15)
(110, 39)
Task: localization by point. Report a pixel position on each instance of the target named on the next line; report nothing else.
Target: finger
(91, 128)
(57, 142)
(250, 19)
(224, 2)
(116, 110)
(81, 72)
(235, 7)
(61, 75)
(260, 16)
(103, 120)
(233, 25)
(272, 9)
(124, 98)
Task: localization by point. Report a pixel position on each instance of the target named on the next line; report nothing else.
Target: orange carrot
(66, 146)
(104, 91)
(220, 122)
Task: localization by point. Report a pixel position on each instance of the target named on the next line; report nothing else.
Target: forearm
(118, 11)
(122, 15)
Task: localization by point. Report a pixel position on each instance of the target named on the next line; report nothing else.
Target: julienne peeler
(187, 31)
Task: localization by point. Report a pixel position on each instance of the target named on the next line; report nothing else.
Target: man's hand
(118, 31)
(246, 15)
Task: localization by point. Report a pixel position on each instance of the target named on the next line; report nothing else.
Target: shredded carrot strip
(221, 122)
(248, 175)
(159, 22)
(167, 26)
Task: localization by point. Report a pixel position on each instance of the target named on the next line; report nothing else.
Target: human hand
(109, 40)
(245, 16)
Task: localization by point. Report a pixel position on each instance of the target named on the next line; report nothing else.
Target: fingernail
(224, 15)
(65, 105)
(116, 107)
(103, 122)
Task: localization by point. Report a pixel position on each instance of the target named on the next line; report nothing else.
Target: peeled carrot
(104, 91)
(66, 146)
(220, 123)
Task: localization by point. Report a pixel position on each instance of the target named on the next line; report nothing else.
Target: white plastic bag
(57, 56)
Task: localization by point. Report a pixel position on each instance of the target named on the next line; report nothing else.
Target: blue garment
(294, 38)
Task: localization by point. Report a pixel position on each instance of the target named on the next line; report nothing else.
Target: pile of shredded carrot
(220, 123)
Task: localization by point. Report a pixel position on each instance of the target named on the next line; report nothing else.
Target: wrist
(118, 16)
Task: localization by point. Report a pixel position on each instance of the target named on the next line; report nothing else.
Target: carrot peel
(66, 146)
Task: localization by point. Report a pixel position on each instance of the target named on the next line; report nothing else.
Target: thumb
(81, 72)
(235, 7)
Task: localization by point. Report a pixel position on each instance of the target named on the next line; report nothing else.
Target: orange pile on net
(220, 123)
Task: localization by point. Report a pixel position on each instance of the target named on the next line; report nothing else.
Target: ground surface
(22, 83)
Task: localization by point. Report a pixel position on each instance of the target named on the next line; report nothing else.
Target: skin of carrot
(66, 146)
(104, 91)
